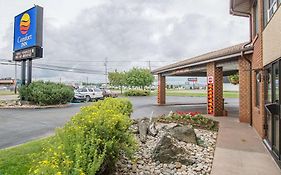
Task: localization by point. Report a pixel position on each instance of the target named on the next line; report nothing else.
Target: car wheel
(88, 98)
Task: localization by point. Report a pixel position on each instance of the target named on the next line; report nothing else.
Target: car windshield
(97, 90)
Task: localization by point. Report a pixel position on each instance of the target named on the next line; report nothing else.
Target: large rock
(167, 151)
(183, 133)
(152, 129)
(143, 129)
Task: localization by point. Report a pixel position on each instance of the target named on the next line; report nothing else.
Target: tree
(234, 79)
(139, 77)
(117, 79)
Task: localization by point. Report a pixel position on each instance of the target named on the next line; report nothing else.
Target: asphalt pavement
(18, 126)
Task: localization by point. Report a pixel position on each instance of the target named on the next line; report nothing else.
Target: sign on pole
(210, 95)
(28, 29)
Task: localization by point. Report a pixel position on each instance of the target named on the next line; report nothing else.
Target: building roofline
(218, 55)
(238, 8)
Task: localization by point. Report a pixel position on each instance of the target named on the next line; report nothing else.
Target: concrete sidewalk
(240, 151)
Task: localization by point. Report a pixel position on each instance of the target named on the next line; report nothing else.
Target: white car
(91, 94)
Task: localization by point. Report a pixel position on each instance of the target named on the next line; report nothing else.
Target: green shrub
(137, 93)
(91, 142)
(46, 93)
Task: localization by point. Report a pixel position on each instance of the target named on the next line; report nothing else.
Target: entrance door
(272, 100)
(276, 117)
(268, 100)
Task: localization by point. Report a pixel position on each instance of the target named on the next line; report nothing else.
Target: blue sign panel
(28, 29)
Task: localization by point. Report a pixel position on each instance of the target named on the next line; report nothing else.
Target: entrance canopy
(197, 66)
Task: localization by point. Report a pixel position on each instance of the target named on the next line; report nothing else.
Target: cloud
(129, 33)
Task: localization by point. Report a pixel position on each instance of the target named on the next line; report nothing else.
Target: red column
(216, 75)
(161, 89)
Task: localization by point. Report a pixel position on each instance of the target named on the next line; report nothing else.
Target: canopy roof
(223, 54)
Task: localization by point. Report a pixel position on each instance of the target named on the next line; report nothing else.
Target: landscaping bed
(17, 104)
(101, 139)
(165, 152)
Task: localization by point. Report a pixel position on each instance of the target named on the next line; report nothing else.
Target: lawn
(6, 92)
(18, 160)
(197, 93)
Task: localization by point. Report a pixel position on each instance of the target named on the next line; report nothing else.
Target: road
(18, 126)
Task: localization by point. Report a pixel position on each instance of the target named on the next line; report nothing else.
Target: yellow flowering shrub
(91, 142)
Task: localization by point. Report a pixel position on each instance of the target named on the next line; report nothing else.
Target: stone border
(35, 107)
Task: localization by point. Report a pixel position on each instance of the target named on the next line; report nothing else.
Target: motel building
(258, 62)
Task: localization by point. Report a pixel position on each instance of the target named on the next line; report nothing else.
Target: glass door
(268, 100)
(276, 117)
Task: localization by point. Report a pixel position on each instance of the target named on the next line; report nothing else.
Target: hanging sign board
(192, 79)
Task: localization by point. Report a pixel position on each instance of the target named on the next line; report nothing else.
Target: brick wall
(244, 90)
(161, 90)
(257, 65)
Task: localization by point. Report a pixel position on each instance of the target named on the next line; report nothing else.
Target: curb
(35, 107)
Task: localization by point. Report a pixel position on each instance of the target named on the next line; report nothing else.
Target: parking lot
(21, 125)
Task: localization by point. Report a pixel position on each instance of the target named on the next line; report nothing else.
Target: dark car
(108, 93)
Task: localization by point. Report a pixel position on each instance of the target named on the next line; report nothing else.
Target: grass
(197, 93)
(18, 160)
(6, 92)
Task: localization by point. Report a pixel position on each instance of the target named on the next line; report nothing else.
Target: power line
(57, 69)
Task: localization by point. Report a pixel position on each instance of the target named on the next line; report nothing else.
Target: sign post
(211, 95)
(28, 36)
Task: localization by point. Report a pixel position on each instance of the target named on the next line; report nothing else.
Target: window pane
(268, 87)
(265, 14)
(275, 82)
(256, 18)
(257, 89)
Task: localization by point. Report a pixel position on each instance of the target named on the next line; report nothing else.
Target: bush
(91, 142)
(137, 93)
(195, 119)
(46, 93)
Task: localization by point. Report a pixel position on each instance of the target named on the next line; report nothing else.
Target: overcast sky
(81, 34)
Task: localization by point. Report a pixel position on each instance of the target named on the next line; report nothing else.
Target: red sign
(192, 79)
(210, 97)
(210, 80)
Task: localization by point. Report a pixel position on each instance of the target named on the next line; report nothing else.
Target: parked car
(109, 93)
(98, 93)
(78, 97)
(91, 94)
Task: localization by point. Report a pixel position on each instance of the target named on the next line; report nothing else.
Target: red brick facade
(244, 90)
(161, 90)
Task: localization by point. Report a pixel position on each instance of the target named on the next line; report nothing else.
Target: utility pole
(149, 65)
(105, 71)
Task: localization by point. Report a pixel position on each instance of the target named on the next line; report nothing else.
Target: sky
(126, 33)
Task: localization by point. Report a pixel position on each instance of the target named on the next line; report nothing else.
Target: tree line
(136, 77)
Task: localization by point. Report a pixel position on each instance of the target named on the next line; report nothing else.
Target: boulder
(152, 129)
(183, 133)
(143, 129)
(167, 151)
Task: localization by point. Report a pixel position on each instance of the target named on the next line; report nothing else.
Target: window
(258, 80)
(265, 14)
(269, 8)
(256, 18)
(268, 86)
